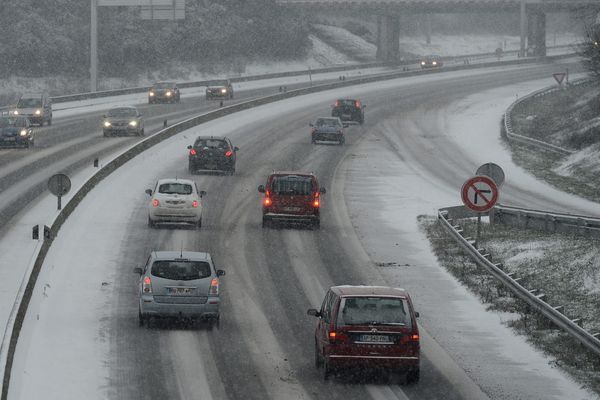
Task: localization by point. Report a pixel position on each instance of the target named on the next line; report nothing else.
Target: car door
(325, 320)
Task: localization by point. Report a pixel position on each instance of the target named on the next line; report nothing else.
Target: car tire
(142, 320)
(318, 359)
(342, 141)
(151, 224)
(191, 170)
(327, 371)
(105, 134)
(199, 223)
(316, 224)
(413, 376)
(141, 133)
(266, 223)
(50, 121)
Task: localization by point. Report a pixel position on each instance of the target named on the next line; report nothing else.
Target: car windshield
(29, 103)
(373, 311)
(211, 144)
(181, 270)
(346, 103)
(175, 188)
(5, 122)
(163, 85)
(292, 185)
(329, 122)
(122, 112)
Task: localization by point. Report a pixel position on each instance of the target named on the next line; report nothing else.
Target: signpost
(493, 171)
(559, 77)
(480, 194)
(59, 185)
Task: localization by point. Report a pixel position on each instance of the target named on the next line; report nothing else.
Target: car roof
(300, 173)
(119, 107)
(189, 255)
(363, 290)
(176, 180)
(211, 137)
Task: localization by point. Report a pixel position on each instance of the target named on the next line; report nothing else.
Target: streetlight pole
(523, 28)
(94, 46)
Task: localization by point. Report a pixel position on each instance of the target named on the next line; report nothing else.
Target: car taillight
(147, 285)
(413, 337)
(195, 204)
(228, 153)
(316, 203)
(337, 337)
(357, 104)
(155, 203)
(337, 103)
(214, 287)
(267, 201)
(193, 152)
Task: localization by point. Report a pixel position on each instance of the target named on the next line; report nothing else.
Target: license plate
(346, 115)
(211, 166)
(180, 290)
(291, 208)
(9, 139)
(375, 338)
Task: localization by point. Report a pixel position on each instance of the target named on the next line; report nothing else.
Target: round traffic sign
(479, 193)
(493, 171)
(59, 184)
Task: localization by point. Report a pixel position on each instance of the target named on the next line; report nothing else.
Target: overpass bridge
(388, 12)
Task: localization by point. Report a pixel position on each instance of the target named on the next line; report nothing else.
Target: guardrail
(545, 220)
(22, 302)
(532, 297)
(507, 125)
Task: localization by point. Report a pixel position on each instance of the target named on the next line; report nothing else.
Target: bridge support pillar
(536, 33)
(388, 38)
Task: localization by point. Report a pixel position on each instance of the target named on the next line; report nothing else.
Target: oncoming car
(175, 201)
(123, 121)
(220, 92)
(367, 327)
(179, 284)
(214, 153)
(15, 131)
(349, 110)
(164, 92)
(328, 129)
(37, 107)
(431, 62)
(291, 197)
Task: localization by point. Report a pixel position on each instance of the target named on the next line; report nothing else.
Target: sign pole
(59, 202)
(478, 230)
(94, 46)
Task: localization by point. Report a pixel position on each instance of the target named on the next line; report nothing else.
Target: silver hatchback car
(182, 284)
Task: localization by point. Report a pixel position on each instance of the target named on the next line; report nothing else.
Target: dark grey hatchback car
(212, 153)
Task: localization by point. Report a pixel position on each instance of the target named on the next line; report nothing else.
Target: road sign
(479, 193)
(59, 185)
(559, 77)
(493, 171)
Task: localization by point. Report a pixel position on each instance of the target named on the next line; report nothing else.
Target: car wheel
(141, 133)
(199, 223)
(105, 134)
(141, 319)
(151, 223)
(50, 122)
(231, 171)
(342, 140)
(318, 359)
(265, 223)
(190, 169)
(316, 224)
(326, 369)
(413, 376)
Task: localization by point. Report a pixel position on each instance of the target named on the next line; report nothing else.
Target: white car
(175, 201)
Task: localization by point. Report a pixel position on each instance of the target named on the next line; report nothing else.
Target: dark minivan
(291, 197)
(367, 327)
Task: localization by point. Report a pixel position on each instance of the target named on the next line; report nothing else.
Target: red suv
(367, 327)
(291, 197)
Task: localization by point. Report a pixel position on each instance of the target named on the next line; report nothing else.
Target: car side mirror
(417, 315)
(138, 270)
(311, 124)
(261, 188)
(202, 193)
(220, 272)
(104, 116)
(236, 148)
(190, 147)
(322, 190)
(364, 106)
(314, 312)
(149, 192)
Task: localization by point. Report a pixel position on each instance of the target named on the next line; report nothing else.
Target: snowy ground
(63, 279)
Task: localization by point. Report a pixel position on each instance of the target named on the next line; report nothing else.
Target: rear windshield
(327, 122)
(211, 144)
(29, 103)
(122, 112)
(292, 185)
(5, 122)
(346, 103)
(175, 188)
(181, 270)
(373, 311)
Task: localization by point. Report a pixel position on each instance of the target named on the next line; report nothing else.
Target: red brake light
(357, 103)
(147, 285)
(267, 201)
(337, 337)
(155, 203)
(228, 153)
(193, 152)
(316, 203)
(195, 204)
(214, 287)
(414, 337)
(337, 103)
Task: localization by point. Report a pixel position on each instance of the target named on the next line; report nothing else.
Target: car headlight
(434, 62)
(15, 112)
(422, 62)
(151, 94)
(38, 112)
(23, 132)
(132, 123)
(168, 94)
(223, 90)
(106, 124)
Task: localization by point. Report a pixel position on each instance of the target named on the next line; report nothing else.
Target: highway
(264, 345)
